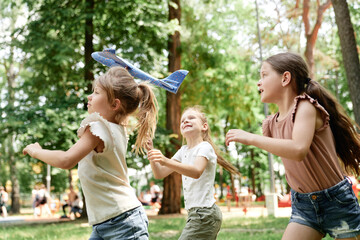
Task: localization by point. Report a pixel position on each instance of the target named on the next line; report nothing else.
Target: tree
(171, 201)
(60, 40)
(349, 52)
(12, 68)
(312, 34)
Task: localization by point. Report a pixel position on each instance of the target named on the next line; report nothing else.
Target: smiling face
(191, 124)
(269, 84)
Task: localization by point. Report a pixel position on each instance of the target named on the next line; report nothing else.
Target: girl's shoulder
(101, 128)
(206, 149)
(267, 123)
(205, 144)
(93, 119)
(305, 97)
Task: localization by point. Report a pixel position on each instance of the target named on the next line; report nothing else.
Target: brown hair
(347, 140)
(207, 137)
(119, 84)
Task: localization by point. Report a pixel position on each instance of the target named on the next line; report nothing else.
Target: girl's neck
(286, 104)
(193, 141)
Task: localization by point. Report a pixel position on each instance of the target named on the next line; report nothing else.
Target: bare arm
(159, 171)
(306, 121)
(65, 159)
(166, 164)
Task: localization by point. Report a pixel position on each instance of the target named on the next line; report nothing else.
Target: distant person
(101, 150)
(71, 197)
(143, 200)
(4, 197)
(43, 201)
(76, 210)
(35, 200)
(155, 192)
(147, 196)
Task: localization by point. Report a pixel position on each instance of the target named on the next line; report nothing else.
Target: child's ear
(286, 79)
(205, 126)
(116, 104)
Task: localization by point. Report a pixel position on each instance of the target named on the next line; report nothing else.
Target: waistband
(195, 208)
(328, 193)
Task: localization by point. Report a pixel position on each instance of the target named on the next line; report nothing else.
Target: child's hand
(155, 155)
(31, 149)
(237, 135)
(149, 144)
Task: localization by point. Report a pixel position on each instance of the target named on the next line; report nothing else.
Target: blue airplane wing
(171, 83)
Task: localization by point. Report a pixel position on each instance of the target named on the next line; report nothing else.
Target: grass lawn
(239, 228)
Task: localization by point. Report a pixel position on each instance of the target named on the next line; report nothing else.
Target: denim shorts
(335, 210)
(203, 223)
(132, 224)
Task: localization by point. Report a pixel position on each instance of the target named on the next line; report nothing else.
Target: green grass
(239, 228)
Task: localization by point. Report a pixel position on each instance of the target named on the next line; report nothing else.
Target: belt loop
(327, 194)
(349, 180)
(294, 195)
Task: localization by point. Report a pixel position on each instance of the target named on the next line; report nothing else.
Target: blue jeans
(132, 224)
(335, 210)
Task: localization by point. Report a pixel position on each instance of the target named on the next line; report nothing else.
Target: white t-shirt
(154, 190)
(198, 192)
(103, 176)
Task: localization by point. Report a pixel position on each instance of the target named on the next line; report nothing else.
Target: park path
(257, 211)
(253, 211)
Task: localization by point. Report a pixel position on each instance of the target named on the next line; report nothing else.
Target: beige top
(103, 176)
(320, 169)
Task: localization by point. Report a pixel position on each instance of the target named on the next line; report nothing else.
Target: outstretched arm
(306, 121)
(159, 171)
(194, 171)
(65, 159)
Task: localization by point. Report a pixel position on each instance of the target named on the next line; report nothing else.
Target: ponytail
(220, 160)
(147, 116)
(119, 84)
(347, 140)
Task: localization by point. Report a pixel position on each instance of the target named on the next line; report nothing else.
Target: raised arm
(165, 164)
(159, 170)
(65, 159)
(306, 121)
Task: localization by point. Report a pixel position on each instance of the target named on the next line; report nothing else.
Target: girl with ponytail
(196, 161)
(100, 154)
(318, 145)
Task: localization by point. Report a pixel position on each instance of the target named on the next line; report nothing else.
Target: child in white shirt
(196, 161)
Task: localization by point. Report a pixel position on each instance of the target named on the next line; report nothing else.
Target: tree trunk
(349, 52)
(311, 35)
(252, 171)
(88, 46)
(15, 188)
(171, 202)
(88, 74)
(233, 192)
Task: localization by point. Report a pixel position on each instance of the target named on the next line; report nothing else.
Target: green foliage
(138, 30)
(219, 47)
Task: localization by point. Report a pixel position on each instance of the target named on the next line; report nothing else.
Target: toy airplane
(171, 83)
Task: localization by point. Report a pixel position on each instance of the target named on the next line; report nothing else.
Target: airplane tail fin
(173, 82)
